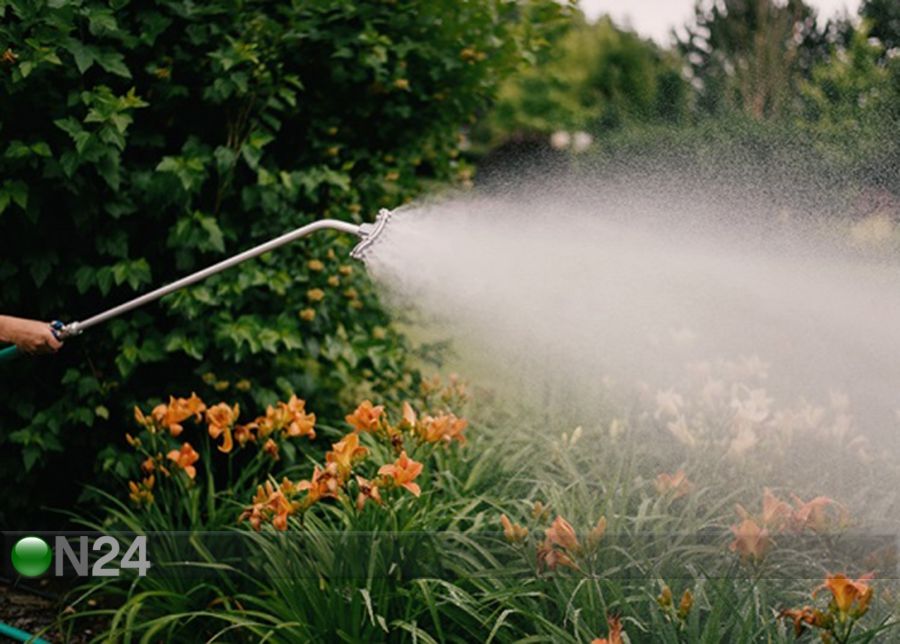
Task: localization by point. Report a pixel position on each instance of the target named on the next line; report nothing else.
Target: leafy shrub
(141, 141)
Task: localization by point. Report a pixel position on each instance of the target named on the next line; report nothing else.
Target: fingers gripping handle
(57, 328)
(11, 352)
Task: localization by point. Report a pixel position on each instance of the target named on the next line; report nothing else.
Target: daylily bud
(513, 532)
(540, 512)
(597, 533)
(665, 597)
(684, 607)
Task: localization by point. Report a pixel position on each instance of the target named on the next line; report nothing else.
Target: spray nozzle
(369, 233)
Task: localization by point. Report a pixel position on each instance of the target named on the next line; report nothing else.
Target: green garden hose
(17, 634)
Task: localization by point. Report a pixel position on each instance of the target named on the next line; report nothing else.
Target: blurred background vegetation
(139, 141)
(755, 75)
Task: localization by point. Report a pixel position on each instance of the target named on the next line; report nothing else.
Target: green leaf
(104, 278)
(41, 149)
(40, 270)
(68, 125)
(83, 54)
(134, 272)
(114, 63)
(84, 278)
(17, 190)
(101, 21)
(17, 150)
(225, 158)
(30, 456)
(216, 238)
(189, 170)
(108, 167)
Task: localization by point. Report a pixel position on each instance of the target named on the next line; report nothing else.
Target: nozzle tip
(370, 233)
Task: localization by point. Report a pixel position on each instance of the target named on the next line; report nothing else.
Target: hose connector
(69, 330)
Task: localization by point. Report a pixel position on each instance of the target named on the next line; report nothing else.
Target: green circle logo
(31, 556)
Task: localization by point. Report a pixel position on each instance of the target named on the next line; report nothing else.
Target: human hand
(30, 336)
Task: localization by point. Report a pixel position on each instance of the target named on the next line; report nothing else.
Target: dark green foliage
(851, 107)
(884, 17)
(140, 141)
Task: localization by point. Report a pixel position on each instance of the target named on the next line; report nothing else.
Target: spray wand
(366, 232)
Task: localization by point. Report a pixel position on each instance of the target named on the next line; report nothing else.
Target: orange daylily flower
(676, 484)
(850, 598)
(550, 558)
(513, 532)
(281, 509)
(260, 500)
(185, 459)
(345, 453)
(298, 422)
(562, 534)
(270, 503)
(324, 484)
(776, 514)
(148, 465)
(367, 490)
(403, 472)
(446, 427)
(265, 425)
(366, 417)
(271, 448)
(171, 416)
(615, 632)
(222, 415)
(814, 514)
(289, 417)
(243, 434)
(751, 541)
(804, 616)
(219, 419)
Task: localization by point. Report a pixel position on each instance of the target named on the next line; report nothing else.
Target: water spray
(368, 234)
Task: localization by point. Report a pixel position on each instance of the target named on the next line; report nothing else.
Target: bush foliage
(140, 141)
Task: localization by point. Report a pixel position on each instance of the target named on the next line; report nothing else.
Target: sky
(655, 18)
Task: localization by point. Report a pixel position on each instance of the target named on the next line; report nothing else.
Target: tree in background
(593, 77)
(748, 55)
(851, 107)
(140, 141)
